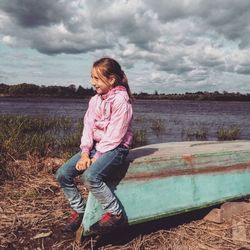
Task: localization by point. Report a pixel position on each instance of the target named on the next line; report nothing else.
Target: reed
(157, 126)
(228, 133)
(195, 133)
(140, 119)
(139, 137)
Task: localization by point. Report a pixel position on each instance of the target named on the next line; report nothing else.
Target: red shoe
(74, 223)
(107, 223)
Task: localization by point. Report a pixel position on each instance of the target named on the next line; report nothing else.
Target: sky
(169, 46)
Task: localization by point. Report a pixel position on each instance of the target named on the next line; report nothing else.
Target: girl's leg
(94, 176)
(65, 176)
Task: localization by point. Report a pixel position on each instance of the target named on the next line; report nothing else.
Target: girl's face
(102, 86)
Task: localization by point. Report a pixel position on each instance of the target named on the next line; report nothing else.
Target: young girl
(105, 143)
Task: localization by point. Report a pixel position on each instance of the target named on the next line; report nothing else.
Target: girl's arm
(118, 126)
(87, 134)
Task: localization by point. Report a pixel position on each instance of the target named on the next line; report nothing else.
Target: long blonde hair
(107, 67)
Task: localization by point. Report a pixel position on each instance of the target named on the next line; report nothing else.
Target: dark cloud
(227, 17)
(175, 68)
(197, 75)
(51, 27)
(245, 70)
(208, 60)
(230, 19)
(171, 10)
(63, 44)
(34, 13)
(133, 22)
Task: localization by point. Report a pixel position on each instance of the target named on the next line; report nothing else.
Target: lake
(160, 120)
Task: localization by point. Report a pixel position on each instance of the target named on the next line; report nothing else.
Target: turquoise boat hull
(171, 178)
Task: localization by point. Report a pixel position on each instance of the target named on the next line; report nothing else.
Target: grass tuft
(139, 137)
(228, 133)
(195, 133)
(157, 126)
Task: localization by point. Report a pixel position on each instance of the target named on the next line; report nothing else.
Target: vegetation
(40, 136)
(230, 133)
(139, 137)
(157, 126)
(197, 96)
(30, 90)
(24, 136)
(195, 133)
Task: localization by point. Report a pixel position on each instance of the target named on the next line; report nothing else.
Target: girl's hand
(84, 162)
(93, 160)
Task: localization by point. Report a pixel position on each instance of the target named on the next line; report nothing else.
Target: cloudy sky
(171, 46)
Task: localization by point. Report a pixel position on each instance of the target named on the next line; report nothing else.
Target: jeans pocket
(123, 152)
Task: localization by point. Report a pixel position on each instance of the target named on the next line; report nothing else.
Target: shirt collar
(112, 91)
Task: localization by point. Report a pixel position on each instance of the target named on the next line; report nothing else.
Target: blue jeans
(94, 178)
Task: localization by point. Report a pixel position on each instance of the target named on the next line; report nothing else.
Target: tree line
(30, 90)
(197, 96)
(71, 91)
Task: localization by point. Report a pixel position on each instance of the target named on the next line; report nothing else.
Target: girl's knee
(85, 178)
(60, 174)
(89, 178)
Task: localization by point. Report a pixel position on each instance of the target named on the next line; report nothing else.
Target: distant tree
(23, 89)
(81, 91)
(4, 88)
(72, 87)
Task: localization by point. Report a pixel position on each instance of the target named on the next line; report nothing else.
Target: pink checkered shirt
(107, 122)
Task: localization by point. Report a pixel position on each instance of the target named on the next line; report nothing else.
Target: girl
(105, 143)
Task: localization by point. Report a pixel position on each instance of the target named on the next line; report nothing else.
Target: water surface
(177, 118)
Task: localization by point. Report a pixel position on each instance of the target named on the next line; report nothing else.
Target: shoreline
(23, 97)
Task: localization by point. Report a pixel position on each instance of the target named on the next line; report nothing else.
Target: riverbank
(34, 211)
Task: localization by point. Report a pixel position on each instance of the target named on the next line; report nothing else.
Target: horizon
(155, 92)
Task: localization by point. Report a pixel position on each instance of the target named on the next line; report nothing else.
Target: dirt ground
(33, 212)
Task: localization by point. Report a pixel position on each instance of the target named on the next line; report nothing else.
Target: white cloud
(8, 40)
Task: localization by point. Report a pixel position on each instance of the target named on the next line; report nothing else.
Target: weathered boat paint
(171, 178)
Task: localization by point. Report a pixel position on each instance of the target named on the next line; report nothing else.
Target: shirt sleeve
(117, 128)
(87, 133)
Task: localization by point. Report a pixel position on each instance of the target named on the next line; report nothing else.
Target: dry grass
(33, 211)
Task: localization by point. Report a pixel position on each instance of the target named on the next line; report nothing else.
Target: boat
(165, 179)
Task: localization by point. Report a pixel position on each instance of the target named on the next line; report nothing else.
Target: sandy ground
(33, 212)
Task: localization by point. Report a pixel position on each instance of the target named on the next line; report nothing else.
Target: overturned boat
(164, 179)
